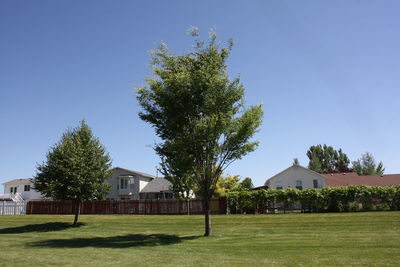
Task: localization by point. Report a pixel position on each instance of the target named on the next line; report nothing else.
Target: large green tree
(366, 165)
(198, 113)
(76, 168)
(325, 159)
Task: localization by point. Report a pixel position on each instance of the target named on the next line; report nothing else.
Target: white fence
(12, 208)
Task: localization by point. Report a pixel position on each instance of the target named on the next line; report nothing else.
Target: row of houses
(132, 185)
(124, 185)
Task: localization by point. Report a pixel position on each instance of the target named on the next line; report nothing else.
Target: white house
(298, 177)
(124, 185)
(20, 188)
(132, 185)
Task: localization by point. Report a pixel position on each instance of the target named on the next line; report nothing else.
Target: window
(124, 183)
(27, 187)
(299, 184)
(317, 183)
(279, 185)
(13, 190)
(131, 183)
(169, 195)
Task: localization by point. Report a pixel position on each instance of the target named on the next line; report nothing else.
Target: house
(158, 188)
(132, 185)
(124, 185)
(20, 189)
(297, 176)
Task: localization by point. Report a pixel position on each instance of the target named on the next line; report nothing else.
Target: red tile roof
(352, 178)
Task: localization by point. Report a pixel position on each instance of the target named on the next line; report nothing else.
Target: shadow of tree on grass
(125, 241)
(43, 227)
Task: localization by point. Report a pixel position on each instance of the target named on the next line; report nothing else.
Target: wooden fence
(145, 206)
(12, 207)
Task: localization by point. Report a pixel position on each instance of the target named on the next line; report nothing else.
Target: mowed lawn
(364, 238)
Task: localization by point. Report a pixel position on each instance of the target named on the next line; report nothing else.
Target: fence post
(4, 208)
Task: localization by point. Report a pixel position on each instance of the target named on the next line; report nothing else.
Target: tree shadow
(125, 241)
(43, 227)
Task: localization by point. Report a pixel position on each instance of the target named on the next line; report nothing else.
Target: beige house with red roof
(297, 176)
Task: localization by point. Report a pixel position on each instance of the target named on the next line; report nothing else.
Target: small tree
(75, 169)
(246, 184)
(227, 184)
(366, 165)
(199, 114)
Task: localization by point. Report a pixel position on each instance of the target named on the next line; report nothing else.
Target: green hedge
(330, 199)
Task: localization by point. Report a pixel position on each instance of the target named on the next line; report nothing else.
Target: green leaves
(197, 111)
(366, 165)
(319, 200)
(325, 159)
(76, 167)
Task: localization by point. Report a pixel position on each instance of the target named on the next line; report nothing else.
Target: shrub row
(330, 199)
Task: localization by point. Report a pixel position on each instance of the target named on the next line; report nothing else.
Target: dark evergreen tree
(325, 159)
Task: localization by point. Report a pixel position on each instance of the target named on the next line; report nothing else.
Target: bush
(331, 199)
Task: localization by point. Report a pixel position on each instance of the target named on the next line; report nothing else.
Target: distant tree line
(326, 159)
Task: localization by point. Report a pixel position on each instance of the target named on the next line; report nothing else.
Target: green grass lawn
(364, 238)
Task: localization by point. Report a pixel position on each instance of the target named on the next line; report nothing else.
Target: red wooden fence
(145, 206)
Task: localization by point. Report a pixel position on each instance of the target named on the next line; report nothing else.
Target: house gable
(295, 176)
(135, 181)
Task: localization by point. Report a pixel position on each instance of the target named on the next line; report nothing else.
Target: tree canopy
(231, 183)
(325, 159)
(246, 184)
(198, 112)
(75, 169)
(366, 165)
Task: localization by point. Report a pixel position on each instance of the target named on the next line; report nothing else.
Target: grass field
(292, 239)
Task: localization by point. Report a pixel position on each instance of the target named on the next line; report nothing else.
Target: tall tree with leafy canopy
(366, 165)
(76, 168)
(325, 159)
(198, 113)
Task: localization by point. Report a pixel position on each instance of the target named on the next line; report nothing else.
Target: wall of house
(26, 195)
(288, 178)
(132, 193)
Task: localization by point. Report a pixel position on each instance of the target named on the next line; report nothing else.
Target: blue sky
(326, 72)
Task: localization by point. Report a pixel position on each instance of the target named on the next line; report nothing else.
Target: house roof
(260, 187)
(19, 181)
(352, 178)
(137, 173)
(292, 167)
(157, 185)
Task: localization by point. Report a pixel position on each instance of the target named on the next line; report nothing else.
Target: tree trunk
(207, 212)
(77, 211)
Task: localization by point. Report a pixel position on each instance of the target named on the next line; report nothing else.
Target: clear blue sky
(326, 72)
